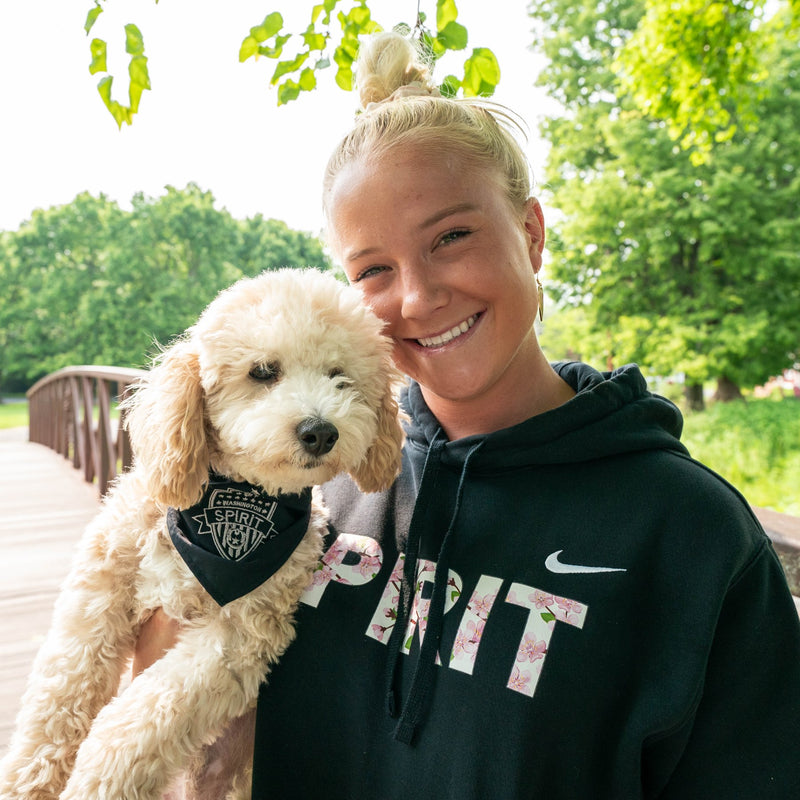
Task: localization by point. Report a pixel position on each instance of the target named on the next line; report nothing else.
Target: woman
(554, 601)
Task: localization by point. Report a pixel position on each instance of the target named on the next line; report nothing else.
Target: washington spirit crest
(238, 521)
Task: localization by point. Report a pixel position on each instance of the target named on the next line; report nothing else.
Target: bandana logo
(238, 521)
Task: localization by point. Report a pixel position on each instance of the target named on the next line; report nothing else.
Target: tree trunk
(693, 394)
(727, 390)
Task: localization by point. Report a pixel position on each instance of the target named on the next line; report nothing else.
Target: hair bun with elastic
(388, 68)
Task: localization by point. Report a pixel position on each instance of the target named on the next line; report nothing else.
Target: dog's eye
(337, 372)
(266, 373)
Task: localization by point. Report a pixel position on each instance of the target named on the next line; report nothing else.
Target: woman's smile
(450, 335)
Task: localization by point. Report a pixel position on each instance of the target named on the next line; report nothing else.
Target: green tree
(683, 266)
(271, 243)
(52, 264)
(89, 283)
(698, 64)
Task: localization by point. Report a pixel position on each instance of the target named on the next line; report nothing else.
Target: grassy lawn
(13, 415)
(754, 445)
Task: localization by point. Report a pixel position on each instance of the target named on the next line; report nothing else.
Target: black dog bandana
(237, 536)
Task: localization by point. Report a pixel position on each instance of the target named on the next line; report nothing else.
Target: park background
(668, 168)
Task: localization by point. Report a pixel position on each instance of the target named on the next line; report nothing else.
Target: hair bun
(386, 62)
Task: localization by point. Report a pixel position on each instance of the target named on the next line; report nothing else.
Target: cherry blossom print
(470, 631)
(385, 616)
(332, 568)
(544, 611)
(531, 649)
(520, 681)
(564, 607)
(542, 599)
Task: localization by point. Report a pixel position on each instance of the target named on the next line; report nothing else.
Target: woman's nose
(423, 292)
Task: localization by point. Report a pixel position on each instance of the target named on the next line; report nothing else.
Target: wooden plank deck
(44, 507)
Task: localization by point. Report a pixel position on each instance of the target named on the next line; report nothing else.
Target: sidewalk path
(45, 506)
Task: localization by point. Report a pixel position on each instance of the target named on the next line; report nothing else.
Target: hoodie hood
(611, 413)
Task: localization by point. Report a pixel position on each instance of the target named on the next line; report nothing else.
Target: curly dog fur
(228, 397)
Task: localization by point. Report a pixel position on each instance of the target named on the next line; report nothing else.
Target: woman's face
(441, 256)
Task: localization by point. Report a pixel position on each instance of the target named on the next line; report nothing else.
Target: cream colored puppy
(285, 381)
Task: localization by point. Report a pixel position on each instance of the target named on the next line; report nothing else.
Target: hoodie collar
(611, 413)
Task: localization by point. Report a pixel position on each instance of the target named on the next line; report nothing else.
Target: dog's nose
(318, 436)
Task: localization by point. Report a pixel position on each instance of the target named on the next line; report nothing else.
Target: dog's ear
(167, 427)
(381, 465)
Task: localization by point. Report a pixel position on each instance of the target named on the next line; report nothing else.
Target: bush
(755, 445)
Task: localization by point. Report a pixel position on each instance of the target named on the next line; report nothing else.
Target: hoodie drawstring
(425, 670)
(426, 496)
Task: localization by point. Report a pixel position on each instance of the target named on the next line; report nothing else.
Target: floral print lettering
(332, 566)
(544, 611)
(470, 631)
(385, 616)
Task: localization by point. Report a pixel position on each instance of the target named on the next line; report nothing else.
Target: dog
(285, 380)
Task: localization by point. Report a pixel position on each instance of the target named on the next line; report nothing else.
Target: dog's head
(285, 381)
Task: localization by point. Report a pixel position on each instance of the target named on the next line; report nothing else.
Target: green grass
(13, 415)
(755, 445)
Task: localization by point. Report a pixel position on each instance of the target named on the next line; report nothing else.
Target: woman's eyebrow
(356, 254)
(446, 212)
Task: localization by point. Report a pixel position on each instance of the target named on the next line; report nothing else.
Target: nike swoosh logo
(554, 565)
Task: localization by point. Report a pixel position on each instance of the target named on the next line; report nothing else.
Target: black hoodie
(609, 621)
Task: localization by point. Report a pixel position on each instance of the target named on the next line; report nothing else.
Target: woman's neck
(541, 390)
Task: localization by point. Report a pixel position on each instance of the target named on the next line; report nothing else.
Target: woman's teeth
(447, 336)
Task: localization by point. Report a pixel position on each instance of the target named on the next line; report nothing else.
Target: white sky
(208, 119)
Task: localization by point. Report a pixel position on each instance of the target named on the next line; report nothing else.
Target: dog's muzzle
(318, 436)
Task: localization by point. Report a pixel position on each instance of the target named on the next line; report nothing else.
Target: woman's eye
(266, 373)
(454, 235)
(369, 272)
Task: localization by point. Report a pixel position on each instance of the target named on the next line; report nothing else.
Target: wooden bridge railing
(70, 412)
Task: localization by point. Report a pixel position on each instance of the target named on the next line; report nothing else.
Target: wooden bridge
(47, 498)
(44, 506)
(52, 477)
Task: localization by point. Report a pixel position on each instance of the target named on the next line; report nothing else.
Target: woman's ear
(535, 228)
(166, 422)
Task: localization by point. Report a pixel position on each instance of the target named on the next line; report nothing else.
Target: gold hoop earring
(540, 292)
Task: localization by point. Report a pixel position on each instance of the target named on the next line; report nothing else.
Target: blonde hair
(401, 106)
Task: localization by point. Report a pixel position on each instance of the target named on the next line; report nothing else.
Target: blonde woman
(554, 601)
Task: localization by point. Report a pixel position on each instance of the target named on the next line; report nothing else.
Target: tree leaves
(342, 35)
(98, 49)
(696, 64)
(481, 73)
(138, 73)
(92, 16)
(294, 75)
(253, 44)
(332, 38)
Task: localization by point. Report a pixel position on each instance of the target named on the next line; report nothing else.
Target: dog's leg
(146, 736)
(76, 672)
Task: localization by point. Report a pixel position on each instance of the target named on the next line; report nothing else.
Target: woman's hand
(157, 636)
